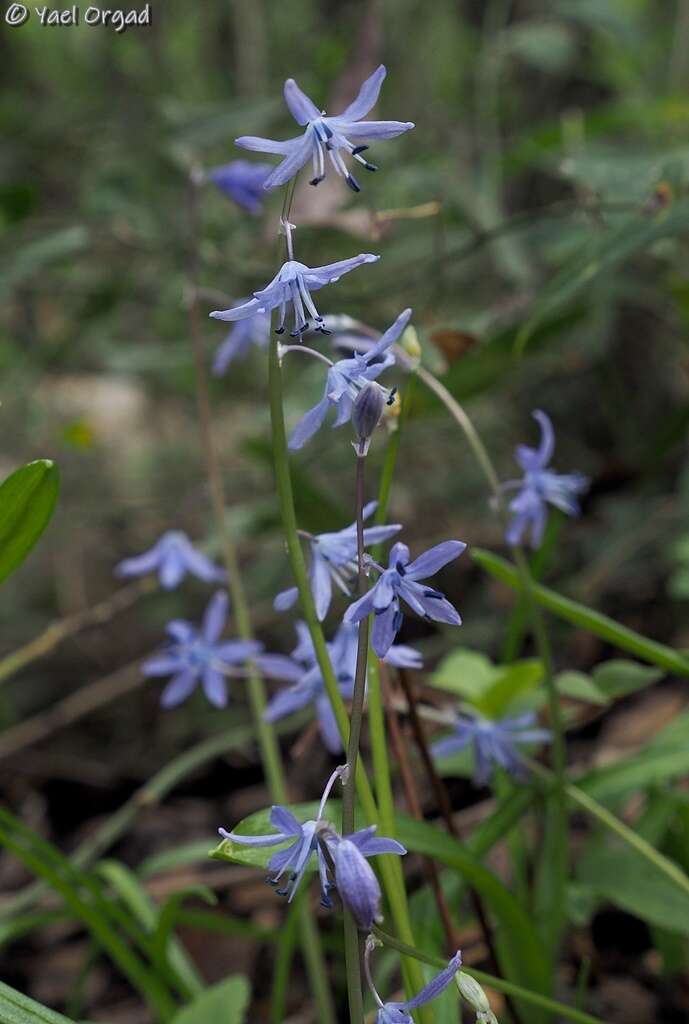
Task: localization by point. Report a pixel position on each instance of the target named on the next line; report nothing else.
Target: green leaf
(27, 500)
(579, 686)
(16, 1008)
(579, 615)
(548, 45)
(618, 677)
(489, 688)
(621, 877)
(227, 1002)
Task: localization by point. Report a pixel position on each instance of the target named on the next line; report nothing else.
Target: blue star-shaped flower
(539, 487)
(354, 878)
(495, 744)
(293, 285)
(242, 181)
(400, 581)
(172, 557)
(196, 656)
(325, 135)
(345, 380)
(334, 560)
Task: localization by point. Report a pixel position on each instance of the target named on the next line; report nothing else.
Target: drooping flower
(354, 877)
(402, 656)
(320, 837)
(494, 743)
(400, 1013)
(345, 380)
(325, 135)
(401, 581)
(293, 285)
(243, 182)
(302, 670)
(254, 330)
(540, 487)
(172, 557)
(334, 560)
(196, 656)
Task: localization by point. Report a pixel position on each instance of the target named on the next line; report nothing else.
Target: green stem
(395, 894)
(554, 853)
(499, 984)
(351, 934)
(577, 796)
(270, 752)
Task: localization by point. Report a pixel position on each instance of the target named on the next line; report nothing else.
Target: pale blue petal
(328, 725)
(178, 689)
(242, 312)
(215, 687)
(389, 337)
(280, 666)
(437, 985)
(321, 584)
(284, 821)
(308, 425)
(300, 106)
(259, 145)
(318, 277)
(366, 98)
(286, 702)
(242, 840)
(291, 165)
(357, 884)
(215, 616)
(369, 131)
(161, 665)
(434, 559)
(285, 599)
(385, 629)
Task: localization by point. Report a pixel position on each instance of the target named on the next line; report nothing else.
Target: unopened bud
(368, 408)
(473, 994)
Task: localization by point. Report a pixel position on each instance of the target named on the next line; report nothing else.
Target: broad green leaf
(468, 674)
(16, 1008)
(620, 876)
(650, 768)
(27, 500)
(618, 677)
(579, 686)
(510, 683)
(579, 615)
(224, 1003)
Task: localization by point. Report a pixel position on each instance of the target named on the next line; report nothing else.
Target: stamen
(341, 772)
(353, 183)
(359, 149)
(371, 944)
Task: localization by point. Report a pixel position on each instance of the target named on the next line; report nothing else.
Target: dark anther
(317, 181)
(397, 621)
(400, 570)
(281, 892)
(428, 592)
(323, 330)
(391, 397)
(353, 183)
(359, 149)
(370, 167)
(328, 132)
(279, 330)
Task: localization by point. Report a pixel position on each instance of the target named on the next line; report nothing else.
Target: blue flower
(293, 285)
(320, 837)
(539, 487)
(243, 182)
(401, 656)
(401, 581)
(172, 557)
(254, 330)
(345, 380)
(400, 1013)
(327, 135)
(196, 656)
(334, 560)
(494, 743)
(302, 670)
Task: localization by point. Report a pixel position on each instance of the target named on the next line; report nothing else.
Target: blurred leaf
(617, 677)
(16, 1008)
(548, 45)
(224, 1003)
(27, 500)
(35, 256)
(491, 689)
(618, 875)
(579, 686)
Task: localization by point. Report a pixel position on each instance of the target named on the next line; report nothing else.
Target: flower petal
(389, 337)
(401, 656)
(307, 426)
(161, 665)
(357, 884)
(241, 312)
(437, 985)
(259, 145)
(285, 599)
(318, 277)
(215, 687)
(328, 725)
(232, 652)
(385, 629)
(286, 702)
(434, 559)
(284, 821)
(178, 689)
(291, 165)
(360, 608)
(215, 616)
(241, 840)
(369, 844)
(139, 565)
(300, 106)
(366, 98)
(362, 131)
(280, 666)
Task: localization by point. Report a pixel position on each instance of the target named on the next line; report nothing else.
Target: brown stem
(413, 803)
(445, 808)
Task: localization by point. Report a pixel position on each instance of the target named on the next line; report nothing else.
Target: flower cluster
(494, 744)
(341, 860)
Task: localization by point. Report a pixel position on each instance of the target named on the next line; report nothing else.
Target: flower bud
(368, 408)
(473, 994)
(409, 343)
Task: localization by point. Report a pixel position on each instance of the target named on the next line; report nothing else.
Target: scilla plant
(348, 866)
